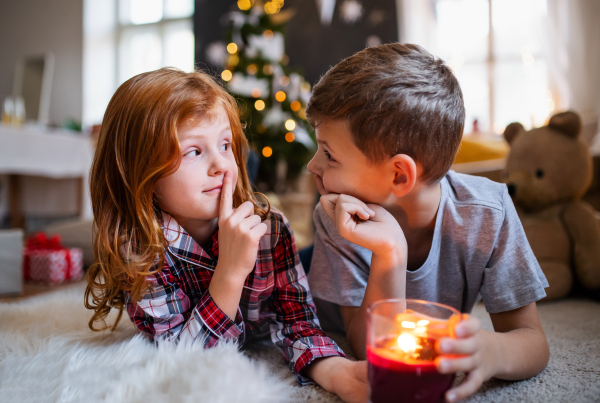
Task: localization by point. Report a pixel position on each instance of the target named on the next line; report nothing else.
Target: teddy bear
(548, 170)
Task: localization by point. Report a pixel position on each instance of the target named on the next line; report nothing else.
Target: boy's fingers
(454, 365)
(226, 204)
(458, 346)
(353, 200)
(468, 326)
(466, 389)
(342, 209)
(329, 202)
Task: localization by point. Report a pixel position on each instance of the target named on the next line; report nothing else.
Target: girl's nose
(218, 165)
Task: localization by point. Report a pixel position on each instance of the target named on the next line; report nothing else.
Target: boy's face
(193, 191)
(340, 167)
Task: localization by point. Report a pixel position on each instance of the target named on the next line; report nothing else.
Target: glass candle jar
(401, 352)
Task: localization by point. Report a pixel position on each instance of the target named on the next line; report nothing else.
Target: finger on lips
(226, 206)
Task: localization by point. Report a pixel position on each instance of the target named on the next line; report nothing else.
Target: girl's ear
(405, 174)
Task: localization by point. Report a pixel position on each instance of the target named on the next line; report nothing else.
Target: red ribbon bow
(39, 241)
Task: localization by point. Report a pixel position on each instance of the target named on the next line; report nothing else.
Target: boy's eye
(193, 153)
(225, 146)
(328, 155)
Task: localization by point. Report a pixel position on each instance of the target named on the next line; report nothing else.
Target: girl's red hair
(138, 145)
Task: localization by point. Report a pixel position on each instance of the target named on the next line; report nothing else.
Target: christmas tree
(271, 95)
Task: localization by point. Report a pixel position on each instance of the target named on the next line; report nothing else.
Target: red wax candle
(401, 339)
(395, 381)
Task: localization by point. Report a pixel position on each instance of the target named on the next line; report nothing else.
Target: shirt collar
(183, 245)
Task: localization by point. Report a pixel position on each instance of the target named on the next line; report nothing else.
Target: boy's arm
(517, 350)
(387, 279)
(373, 228)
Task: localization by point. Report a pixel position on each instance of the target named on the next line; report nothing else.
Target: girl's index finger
(226, 206)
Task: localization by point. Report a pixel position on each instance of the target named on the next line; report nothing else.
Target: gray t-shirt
(478, 248)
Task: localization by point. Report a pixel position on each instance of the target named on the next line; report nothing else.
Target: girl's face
(193, 191)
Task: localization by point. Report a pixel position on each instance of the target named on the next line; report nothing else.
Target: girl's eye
(193, 153)
(225, 146)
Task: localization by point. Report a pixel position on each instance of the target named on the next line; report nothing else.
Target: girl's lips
(214, 190)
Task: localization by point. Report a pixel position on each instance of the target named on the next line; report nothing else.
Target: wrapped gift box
(11, 256)
(45, 260)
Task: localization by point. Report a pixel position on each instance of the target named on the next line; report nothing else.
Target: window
(496, 49)
(154, 34)
(123, 38)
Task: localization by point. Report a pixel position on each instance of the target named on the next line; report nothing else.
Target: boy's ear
(405, 174)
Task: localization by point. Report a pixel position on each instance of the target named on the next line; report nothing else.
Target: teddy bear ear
(512, 130)
(568, 123)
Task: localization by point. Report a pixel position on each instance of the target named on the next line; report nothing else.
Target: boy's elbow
(541, 357)
(545, 355)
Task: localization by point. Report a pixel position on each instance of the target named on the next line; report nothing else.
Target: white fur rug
(48, 354)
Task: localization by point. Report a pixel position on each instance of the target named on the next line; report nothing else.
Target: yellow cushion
(472, 150)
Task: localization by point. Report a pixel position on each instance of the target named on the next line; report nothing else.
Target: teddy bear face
(546, 166)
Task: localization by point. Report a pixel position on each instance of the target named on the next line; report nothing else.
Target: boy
(395, 222)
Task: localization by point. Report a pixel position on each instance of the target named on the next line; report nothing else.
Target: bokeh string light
(267, 151)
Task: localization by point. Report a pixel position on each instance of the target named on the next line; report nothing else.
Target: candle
(401, 350)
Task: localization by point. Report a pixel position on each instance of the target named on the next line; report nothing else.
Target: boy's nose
(313, 166)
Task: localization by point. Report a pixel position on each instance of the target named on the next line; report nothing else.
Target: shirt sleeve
(339, 269)
(512, 277)
(165, 311)
(295, 328)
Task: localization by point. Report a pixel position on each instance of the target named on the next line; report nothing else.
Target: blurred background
(61, 61)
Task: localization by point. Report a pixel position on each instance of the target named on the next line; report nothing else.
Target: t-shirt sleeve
(512, 277)
(339, 269)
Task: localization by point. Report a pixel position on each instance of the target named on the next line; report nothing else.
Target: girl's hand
(475, 357)
(240, 231)
(347, 379)
(351, 382)
(367, 225)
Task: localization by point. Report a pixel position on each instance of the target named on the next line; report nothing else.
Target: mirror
(33, 83)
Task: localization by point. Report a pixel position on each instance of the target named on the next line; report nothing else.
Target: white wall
(32, 27)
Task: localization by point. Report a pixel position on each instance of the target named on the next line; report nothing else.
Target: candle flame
(421, 329)
(408, 343)
(408, 324)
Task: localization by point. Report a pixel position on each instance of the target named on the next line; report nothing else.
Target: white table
(57, 154)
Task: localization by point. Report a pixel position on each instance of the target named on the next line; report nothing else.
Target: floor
(31, 289)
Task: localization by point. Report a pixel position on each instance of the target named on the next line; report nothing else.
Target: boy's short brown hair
(397, 99)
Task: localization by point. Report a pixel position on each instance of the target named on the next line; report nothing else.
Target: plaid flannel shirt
(275, 298)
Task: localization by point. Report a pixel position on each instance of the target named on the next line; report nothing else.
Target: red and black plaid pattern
(275, 298)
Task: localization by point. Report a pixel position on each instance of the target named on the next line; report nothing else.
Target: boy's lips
(320, 186)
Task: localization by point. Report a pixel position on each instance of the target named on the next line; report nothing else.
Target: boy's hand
(475, 357)
(240, 231)
(367, 225)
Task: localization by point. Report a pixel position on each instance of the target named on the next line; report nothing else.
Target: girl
(181, 244)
